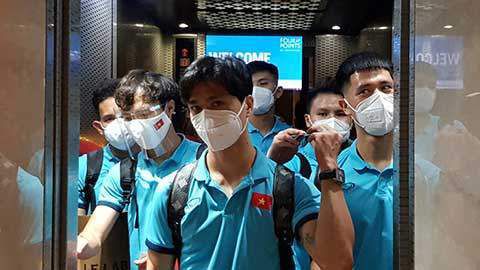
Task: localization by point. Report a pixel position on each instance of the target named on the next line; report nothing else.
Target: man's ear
(344, 106)
(98, 126)
(279, 92)
(249, 105)
(308, 120)
(170, 108)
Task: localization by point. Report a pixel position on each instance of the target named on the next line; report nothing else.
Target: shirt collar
(278, 126)
(108, 155)
(357, 162)
(177, 155)
(260, 170)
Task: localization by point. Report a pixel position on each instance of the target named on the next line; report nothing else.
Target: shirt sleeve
(82, 175)
(293, 164)
(159, 235)
(307, 202)
(111, 194)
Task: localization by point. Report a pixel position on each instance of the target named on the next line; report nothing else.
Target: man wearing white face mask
(366, 81)
(235, 203)
(148, 102)
(323, 109)
(94, 167)
(263, 125)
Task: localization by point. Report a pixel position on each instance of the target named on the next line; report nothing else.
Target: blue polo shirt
(369, 196)
(263, 142)
(109, 160)
(147, 176)
(229, 233)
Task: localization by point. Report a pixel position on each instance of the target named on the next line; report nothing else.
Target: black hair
(258, 66)
(230, 72)
(105, 90)
(327, 86)
(364, 61)
(153, 87)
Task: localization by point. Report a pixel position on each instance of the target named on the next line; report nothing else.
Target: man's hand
(326, 142)
(285, 145)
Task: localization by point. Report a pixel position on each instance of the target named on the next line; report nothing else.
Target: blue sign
(445, 54)
(285, 52)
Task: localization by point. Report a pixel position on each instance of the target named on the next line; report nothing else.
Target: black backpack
(305, 168)
(283, 209)
(128, 168)
(94, 165)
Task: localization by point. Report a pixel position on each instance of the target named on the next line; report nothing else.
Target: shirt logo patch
(262, 201)
(159, 124)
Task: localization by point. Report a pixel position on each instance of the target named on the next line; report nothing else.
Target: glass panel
(22, 65)
(447, 128)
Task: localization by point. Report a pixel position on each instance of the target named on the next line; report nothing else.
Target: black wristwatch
(337, 176)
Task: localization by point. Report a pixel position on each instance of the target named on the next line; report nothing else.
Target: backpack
(94, 165)
(283, 209)
(305, 168)
(128, 168)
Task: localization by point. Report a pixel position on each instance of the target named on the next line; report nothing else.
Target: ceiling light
(139, 25)
(183, 25)
(448, 26)
(336, 27)
(383, 27)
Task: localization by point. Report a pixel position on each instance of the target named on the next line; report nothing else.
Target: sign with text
(115, 253)
(285, 52)
(445, 54)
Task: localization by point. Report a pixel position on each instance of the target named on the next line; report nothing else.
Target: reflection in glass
(22, 65)
(447, 148)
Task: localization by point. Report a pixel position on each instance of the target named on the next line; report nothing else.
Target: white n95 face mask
(263, 100)
(149, 133)
(219, 129)
(424, 99)
(117, 136)
(338, 125)
(375, 114)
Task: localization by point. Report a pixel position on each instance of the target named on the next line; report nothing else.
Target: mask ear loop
(353, 117)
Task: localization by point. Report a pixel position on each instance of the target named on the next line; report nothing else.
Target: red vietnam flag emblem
(159, 124)
(262, 201)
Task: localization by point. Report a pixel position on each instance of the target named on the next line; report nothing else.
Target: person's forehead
(208, 91)
(326, 101)
(263, 75)
(107, 105)
(370, 76)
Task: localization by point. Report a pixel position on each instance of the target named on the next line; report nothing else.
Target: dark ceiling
(274, 16)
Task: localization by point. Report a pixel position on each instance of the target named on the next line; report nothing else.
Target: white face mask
(149, 133)
(219, 129)
(424, 99)
(341, 127)
(263, 100)
(375, 114)
(117, 136)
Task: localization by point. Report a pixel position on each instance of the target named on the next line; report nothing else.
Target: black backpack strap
(305, 168)
(176, 203)
(94, 165)
(283, 209)
(200, 150)
(128, 167)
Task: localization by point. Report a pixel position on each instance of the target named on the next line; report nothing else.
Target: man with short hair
(147, 102)
(323, 109)
(263, 124)
(366, 80)
(230, 209)
(94, 167)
